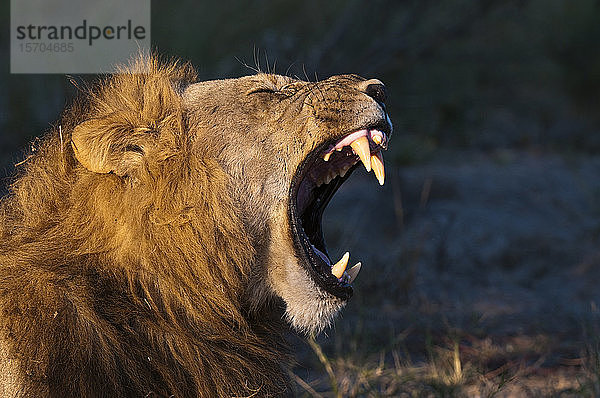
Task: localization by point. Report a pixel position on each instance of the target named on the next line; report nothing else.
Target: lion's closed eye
(262, 90)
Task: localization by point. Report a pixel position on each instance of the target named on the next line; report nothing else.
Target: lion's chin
(302, 317)
(309, 308)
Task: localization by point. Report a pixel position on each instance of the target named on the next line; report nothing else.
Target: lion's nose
(375, 89)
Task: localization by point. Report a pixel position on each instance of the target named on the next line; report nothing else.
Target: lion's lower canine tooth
(353, 272)
(338, 268)
(378, 168)
(361, 148)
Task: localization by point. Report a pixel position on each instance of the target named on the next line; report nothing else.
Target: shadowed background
(480, 254)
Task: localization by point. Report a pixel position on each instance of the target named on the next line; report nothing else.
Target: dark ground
(494, 253)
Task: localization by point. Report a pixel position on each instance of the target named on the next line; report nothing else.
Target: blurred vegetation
(468, 74)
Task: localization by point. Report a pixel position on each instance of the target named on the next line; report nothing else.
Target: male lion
(153, 242)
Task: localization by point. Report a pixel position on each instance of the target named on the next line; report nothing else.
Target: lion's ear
(105, 146)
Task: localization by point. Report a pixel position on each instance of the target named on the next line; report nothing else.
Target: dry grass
(450, 370)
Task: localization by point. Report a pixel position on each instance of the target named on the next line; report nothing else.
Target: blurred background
(480, 254)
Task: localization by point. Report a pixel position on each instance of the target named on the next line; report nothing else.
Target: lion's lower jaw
(309, 309)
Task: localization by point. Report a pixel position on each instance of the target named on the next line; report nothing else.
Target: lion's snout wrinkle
(160, 237)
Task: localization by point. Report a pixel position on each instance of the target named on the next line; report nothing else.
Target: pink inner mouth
(369, 133)
(338, 164)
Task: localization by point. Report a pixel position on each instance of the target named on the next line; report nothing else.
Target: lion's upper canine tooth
(338, 268)
(353, 272)
(378, 169)
(361, 148)
(327, 156)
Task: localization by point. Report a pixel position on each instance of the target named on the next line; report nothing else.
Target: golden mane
(73, 244)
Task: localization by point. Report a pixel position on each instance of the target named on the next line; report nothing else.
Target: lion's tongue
(339, 269)
(321, 254)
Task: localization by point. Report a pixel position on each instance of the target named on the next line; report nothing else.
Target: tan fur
(145, 246)
(11, 377)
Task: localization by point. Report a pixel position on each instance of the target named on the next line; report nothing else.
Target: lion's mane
(95, 299)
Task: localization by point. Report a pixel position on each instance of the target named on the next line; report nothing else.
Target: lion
(162, 236)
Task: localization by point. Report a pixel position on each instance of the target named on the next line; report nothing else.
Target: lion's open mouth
(315, 183)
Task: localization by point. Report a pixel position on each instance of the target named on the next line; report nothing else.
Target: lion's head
(149, 240)
(286, 146)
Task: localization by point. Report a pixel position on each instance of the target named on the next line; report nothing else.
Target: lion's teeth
(327, 156)
(338, 268)
(361, 148)
(378, 169)
(332, 175)
(345, 170)
(376, 136)
(353, 272)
